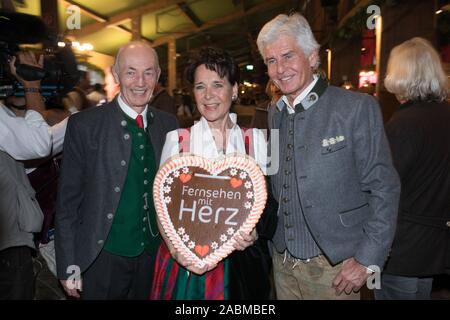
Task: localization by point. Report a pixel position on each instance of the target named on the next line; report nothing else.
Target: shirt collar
(130, 112)
(204, 142)
(283, 101)
(205, 125)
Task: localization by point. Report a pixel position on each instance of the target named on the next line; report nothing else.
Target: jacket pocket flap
(354, 216)
(333, 147)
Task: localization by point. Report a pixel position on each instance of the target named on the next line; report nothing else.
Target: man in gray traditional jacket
(338, 191)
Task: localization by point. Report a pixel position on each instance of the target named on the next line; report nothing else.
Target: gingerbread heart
(202, 204)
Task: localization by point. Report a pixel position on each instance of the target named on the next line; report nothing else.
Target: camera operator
(28, 137)
(21, 138)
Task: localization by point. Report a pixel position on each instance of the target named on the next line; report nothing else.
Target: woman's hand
(244, 240)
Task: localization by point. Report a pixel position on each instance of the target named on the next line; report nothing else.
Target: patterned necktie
(140, 121)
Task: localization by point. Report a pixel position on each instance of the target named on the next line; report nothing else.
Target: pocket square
(332, 140)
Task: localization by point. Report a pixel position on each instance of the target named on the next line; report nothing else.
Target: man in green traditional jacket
(106, 232)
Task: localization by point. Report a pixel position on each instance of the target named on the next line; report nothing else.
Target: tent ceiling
(230, 24)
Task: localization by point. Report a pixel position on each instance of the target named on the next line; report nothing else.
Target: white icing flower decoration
(191, 245)
(185, 238)
(243, 175)
(214, 245)
(167, 199)
(185, 170)
(176, 174)
(230, 231)
(233, 172)
(181, 231)
(169, 180)
(249, 195)
(248, 185)
(223, 238)
(247, 205)
(166, 189)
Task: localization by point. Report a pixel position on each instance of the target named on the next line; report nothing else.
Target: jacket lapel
(274, 118)
(118, 132)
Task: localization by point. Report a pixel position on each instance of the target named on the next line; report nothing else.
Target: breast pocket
(333, 148)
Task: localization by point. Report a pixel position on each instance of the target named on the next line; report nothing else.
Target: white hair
(415, 72)
(294, 25)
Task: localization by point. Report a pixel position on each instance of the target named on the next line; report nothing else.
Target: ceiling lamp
(82, 47)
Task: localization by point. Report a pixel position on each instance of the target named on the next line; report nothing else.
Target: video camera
(59, 73)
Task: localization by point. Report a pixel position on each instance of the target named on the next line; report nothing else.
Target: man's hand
(72, 287)
(244, 240)
(28, 58)
(33, 97)
(352, 277)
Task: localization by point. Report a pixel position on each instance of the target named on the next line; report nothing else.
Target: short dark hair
(214, 59)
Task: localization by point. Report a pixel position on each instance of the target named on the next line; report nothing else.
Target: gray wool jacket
(347, 185)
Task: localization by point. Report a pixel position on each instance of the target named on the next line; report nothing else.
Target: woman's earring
(234, 98)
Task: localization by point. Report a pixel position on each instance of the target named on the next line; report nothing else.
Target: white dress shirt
(301, 96)
(24, 138)
(202, 143)
(130, 112)
(58, 132)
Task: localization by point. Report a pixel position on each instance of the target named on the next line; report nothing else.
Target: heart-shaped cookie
(202, 204)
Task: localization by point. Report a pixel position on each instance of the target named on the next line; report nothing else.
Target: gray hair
(294, 25)
(135, 43)
(415, 72)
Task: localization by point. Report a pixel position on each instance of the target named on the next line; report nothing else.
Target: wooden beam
(354, 10)
(136, 28)
(49, 14)
(188, 13)
(122, 17)
(172, 65)
(98, 17)
(86, 11)
(215, 22)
